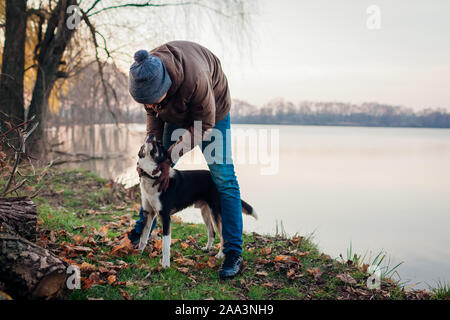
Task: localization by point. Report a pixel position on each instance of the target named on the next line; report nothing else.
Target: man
(180, 83)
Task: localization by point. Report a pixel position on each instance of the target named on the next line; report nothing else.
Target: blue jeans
(226, 182)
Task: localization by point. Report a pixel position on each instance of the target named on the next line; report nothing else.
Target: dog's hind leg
(165, 217)
(208, 219)
(218, 223)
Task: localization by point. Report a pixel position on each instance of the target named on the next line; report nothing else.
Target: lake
(372, 188)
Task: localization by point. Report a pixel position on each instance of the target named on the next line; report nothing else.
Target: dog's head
(151, 153)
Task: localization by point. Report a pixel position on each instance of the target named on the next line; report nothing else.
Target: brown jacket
(199, 89)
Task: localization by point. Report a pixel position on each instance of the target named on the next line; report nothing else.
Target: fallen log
(18, 214)
(26, 269)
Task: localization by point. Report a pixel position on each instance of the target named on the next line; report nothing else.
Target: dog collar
(145, 174)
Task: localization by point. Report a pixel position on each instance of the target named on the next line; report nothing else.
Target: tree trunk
(26, 270)
(57, 37)
(13, 64)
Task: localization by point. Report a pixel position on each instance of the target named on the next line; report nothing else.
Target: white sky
(323, 51)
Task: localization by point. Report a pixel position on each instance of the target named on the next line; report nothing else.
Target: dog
(186, 188)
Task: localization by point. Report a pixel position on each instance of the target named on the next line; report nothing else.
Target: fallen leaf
(183, 270)
(52, 236)
(87, 283)
(200, 265)
(262, 273)
(125, 294)
(77, 239)
(124, 247)
(284, 258)
(82, 249)
(111, 279)
(267, 285)
(346, 278)
(297, 240)
(316, 273)
(103, 270)
(263, 261)
(87, 266)
(102, 231)
(184, 245)
(184, 261)
(266, 251)
(212, 262)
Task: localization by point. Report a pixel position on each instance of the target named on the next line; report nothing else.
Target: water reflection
(378, 188)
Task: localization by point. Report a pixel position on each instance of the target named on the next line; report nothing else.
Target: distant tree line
(338, 114)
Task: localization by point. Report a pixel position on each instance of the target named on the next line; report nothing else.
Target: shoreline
(77, 208)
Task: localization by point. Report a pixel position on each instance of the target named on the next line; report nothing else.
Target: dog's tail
(248, 209)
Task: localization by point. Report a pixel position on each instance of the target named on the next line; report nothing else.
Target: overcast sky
(323, 51)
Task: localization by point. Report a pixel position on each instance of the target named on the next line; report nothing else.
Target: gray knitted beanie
(148, 78)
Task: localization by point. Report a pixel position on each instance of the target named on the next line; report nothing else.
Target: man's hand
(164, 178)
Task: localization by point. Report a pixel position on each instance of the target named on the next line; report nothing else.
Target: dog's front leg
(166, 240)
(148, 221)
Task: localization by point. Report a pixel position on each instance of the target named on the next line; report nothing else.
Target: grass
(77, 209)
(441, 291)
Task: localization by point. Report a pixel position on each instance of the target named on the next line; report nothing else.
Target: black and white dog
(186, 188)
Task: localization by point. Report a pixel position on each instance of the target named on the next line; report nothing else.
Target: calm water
(377, 188)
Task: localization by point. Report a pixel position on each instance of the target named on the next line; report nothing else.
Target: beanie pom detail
(141, 55)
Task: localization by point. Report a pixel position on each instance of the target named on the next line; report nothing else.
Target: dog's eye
(141, 153)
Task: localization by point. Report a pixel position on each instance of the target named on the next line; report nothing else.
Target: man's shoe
(134, 237)
(231, 266)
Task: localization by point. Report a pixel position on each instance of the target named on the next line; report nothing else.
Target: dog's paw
(165, 264)
(220, 255)
(141, 247)
(206, 248)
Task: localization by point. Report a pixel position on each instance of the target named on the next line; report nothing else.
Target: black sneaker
(231, 266)
(134, 237)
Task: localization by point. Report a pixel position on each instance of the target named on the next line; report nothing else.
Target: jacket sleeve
(154, 124)
(203, 114)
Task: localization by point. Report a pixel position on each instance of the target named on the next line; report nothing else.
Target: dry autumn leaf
(183, 270)
(200, 265)
(87, 267)
(262, 273)
(346, 278)
(184, 261)
(125, 294)
(102, 231)
(266, 251)
(124, 246)
(316, 273)
(184, 245)
(284, 258)
(111, 279)
(212, 262)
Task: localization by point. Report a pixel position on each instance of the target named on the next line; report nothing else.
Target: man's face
(154, 106)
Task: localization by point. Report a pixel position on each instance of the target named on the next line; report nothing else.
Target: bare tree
(62, 50)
